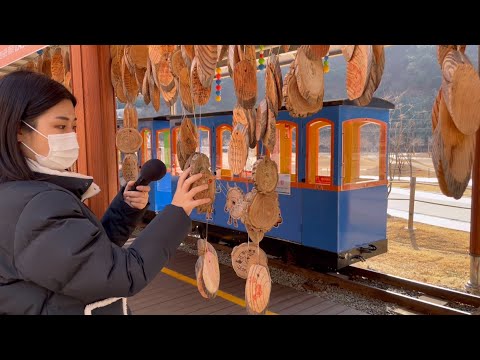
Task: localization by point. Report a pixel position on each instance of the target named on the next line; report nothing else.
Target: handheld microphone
(152, 170)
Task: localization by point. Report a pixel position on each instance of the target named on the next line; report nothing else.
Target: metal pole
(411, 207)
(473, 285)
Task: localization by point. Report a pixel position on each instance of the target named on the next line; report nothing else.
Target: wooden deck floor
(173, 292)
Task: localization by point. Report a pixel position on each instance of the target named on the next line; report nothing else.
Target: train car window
(146, 145)
(224, 135)
(319, 152)
(364, 151)
(163, 147)
(285, 151)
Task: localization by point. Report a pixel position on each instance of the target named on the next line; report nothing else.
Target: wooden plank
(334, 310)
(228, 310)
(317, 309)
(352, 312)
(285, 303)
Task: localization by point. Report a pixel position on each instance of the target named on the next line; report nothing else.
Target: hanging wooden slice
(157, 53)
(265, 175)
(233, 59)
(189, 138)
(294, 102)
(116, 71)
(58, 70)
(128, 60)
(185, 91)
(39, 64)
(182, 159)
(238, 148)
(255, 235)
(177, 63)
(201, 94)
(47, 63)
(274, 63)
(234, 196)
(458, 151)
(270, 138)
(264, 210)
(261, 121)
(201, 247)
(271, 93)
(207, 61)
(257, 289)
(347, 51)
(139, 55)
(252, 118)
(128, 140)
(315, 52)
(130, 116)
(247, 201)
(443, 50)
(222, 51)
(162, 73)
(188, 54)
(120, 93)
(67, 82)
(129, 83)
(241, 254)
(139, 76)
(29, 66)
(309, 74)
(211, 273)
(240, 115)
(286, 48)
(170, 96)
(358, 71)
(256, 260)
(155, 97)
(113, 50)
(436, 109)
(199, 163)
(199, 275)
(130, 167)
(66, 61)
(245, 83)
(376, 72)
(461, 92)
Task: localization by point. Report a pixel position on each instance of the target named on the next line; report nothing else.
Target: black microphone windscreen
(153, 170)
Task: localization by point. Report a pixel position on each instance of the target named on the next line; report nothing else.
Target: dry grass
(429, 254)
(433, 188)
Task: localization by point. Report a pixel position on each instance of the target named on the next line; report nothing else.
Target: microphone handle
(139, 182)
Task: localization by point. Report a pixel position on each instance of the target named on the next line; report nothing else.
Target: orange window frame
(157, 137)
(173, 146)
(312, 150)
(382, 161)
(286, 150)
(221, 171)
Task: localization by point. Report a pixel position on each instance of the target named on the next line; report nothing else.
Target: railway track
(409, 296)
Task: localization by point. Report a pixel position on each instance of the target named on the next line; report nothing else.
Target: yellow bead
(219, 71)
(326, 68)
(218, 98)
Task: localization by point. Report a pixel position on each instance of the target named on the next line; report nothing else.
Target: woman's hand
(184, 195)
(136, 199)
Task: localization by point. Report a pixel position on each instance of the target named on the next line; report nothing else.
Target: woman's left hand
(136, 199)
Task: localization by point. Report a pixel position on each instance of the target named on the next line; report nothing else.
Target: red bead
(219, 76)
(218, 87)
(261, 56)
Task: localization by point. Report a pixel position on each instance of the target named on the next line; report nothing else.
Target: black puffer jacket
(56, 256)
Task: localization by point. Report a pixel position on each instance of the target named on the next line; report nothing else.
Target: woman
(56, 257)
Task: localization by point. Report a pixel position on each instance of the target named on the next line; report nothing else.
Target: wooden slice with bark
(263, 211)
(130, 167)
(358, 71)
(461, 92)
(265, 175)
(128, 140)
(238, 148)
(257, 289)
(309, 74)
(245, 83)
(241, 254)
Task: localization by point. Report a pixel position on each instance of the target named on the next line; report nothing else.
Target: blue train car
(332, 176)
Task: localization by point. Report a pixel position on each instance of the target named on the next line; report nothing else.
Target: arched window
(204, 141)
(285, 151)
(364, 151)
(163, 147)
(176, 169)
(320, 151)
(204, 146)
(224, 135)
(146, 145)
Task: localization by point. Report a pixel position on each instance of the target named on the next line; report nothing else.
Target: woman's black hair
(24, 95)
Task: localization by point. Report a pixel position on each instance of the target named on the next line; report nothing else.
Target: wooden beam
(96, 116)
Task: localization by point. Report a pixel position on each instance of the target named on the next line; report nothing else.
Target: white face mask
(63, 150)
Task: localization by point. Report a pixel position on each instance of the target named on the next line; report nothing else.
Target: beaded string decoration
(218, 88)
(261, 60)
(326, 67)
